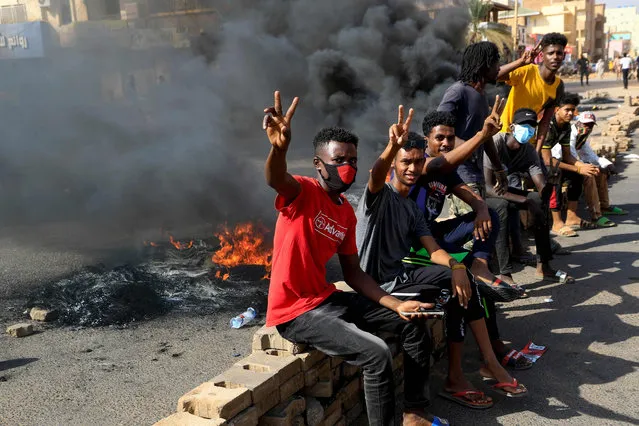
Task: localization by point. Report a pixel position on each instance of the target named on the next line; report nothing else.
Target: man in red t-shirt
(315, 222)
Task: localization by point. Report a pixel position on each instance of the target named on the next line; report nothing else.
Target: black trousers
(575, 188)
(625, 77)
(427, 282)
(541, 231)
(582, 74)
(342, 326)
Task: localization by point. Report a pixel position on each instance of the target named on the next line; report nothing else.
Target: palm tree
(479, 30)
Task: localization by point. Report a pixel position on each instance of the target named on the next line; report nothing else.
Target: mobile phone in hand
(429, 312)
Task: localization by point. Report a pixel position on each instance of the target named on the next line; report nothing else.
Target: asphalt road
(109, 376)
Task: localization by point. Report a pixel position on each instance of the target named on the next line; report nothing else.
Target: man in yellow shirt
(537, 86)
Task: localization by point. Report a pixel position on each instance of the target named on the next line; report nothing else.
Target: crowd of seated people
(402, 259)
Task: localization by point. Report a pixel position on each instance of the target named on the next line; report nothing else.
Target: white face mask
(523, 133)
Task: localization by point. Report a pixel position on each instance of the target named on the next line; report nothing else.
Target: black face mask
(340, 178)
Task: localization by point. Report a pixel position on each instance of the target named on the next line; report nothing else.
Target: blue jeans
(452, 234)
(342, 326)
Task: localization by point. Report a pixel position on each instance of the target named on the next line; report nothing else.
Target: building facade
(58, 12)
(581, 21)
(622, 29)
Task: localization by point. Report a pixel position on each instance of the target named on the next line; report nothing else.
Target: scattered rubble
(44, 315)
(20, 330)
(615, 138)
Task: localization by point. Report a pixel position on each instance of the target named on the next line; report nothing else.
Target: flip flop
(604, 222)
(515, 360)
(565, 231)
(584, 225)
(560, 277)
(438, 421)
(498, 290)
(463, 398)
(615, 211)
(499, 388)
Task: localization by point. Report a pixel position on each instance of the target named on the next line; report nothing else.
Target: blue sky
(618, 3)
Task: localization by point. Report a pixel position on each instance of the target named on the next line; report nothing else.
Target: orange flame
(180, 245)
(244, 245)
(150, 243)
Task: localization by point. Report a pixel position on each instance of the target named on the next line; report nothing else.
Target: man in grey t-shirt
(388, 224)
(518, 156)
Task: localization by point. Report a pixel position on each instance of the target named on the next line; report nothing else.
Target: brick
(260, 383)
(291, 386)
(351, 402)
(268, 402)
(398, 361)
(332, 413)
(269, 338)
(310, 358)
(20, 330)
(351, 389)
(335, 361)
(336, 375)
(248, 417)
(311, 377)
(321, 389)
(211, 402)
(187, 419)
(283, 366)
(314, 412)
(352, 414)
(284, 413)
(299, 421)
(349, 370)
(39, 314)
(341, 422)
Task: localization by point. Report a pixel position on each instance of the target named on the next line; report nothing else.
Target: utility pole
(516, 30)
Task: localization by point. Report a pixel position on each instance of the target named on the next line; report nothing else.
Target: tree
(479, 30)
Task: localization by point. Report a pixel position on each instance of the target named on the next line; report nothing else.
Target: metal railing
(173, 6)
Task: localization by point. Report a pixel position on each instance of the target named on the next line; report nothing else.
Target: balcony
(168, 7)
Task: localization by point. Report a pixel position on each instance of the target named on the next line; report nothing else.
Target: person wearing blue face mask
(519, 156)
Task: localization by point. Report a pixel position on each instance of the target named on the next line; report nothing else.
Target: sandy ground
(134, 375)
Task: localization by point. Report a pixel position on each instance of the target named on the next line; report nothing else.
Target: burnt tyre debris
(172, 280)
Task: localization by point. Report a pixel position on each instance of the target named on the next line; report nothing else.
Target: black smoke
(181, 142)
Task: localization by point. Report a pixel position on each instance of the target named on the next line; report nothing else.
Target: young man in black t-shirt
(438, 179)
(568, 169)
(388, 224)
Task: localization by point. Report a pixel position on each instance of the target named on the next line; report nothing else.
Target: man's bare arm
(451, 160)
(542, 129)
(489, 177)
(278, 130)
(527, 58)
(397, 136)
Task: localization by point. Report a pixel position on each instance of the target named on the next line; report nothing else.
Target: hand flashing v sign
(492, 124)
(277, 125)
(398, 133)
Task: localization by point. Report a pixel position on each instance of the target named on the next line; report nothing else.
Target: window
(65, 13)
(112, 7)
(13, 14)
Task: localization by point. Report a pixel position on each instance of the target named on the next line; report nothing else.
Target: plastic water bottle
(243, 318)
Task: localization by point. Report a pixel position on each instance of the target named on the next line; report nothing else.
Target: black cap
(525, 116)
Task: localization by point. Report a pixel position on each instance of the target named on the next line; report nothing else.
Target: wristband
(458, 266)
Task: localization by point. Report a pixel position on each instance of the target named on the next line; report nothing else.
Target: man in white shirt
(626, 65)
(595, 188)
